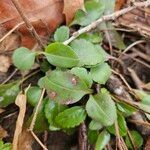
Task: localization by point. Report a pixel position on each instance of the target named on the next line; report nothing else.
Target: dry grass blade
(21, 103)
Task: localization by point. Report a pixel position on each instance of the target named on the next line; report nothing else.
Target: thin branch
(12, 30)
(106, 18)
(132, 45)
(37, 139)
(36, 111)
(27, 22)
(9, 77)
(83, 144)
(136, 79)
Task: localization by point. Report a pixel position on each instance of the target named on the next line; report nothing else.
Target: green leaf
(83, 75)
(87, 53)
(5, 146)
(41, 123)
(109, 6)
(91, 37)
(61, 34)
(71, 117)
(126, 109)
(23, 58)
(61, 55)
(121, 124)
(52, 109)
(45, 66)
(143, 106)
(94, 125)
(101, 73)
(8, 93)
(102, 140)
(33, 95)
(146, 101)
(115, 37)
(93, 11)
(101, 108)
(64, 87)
(92, 136)
(137, 140)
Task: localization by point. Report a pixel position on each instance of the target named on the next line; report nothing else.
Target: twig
(11, 75)
(123, 79)
(118, 141)
(12, 30)
(106, 18)
(136, 79)
(140, 122)
(27, 22)
(37, 139)
(36, 111)
(83, 137)
(132, 141)
(132, 45)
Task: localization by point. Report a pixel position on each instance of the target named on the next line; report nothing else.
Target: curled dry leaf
(4, 63)
(45, 16)
(70, 8)
(21, 103)
(25, 141)
(3, 133)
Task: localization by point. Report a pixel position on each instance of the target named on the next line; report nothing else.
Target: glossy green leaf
(87, 53)
(101, 73)
(137, 139)
(102, 140)
(64, 87)
(8, 93)
(93, 11)
(92, 136)
(41, 123)
(33, 95)
(126, 109)
(23, 58)
(121, 124)
(61, 55)
(91, 37)
(83, 74)
(71, 117)
(94, 125)
(101, 108)
(61, 34)
(52, 109)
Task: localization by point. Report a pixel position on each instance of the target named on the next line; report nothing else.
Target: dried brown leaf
(70, 8)
(21, 103)
(3, 133)
(25, 141)
(4, 63)
(1, 110)
(119, 4)
(45, 16)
